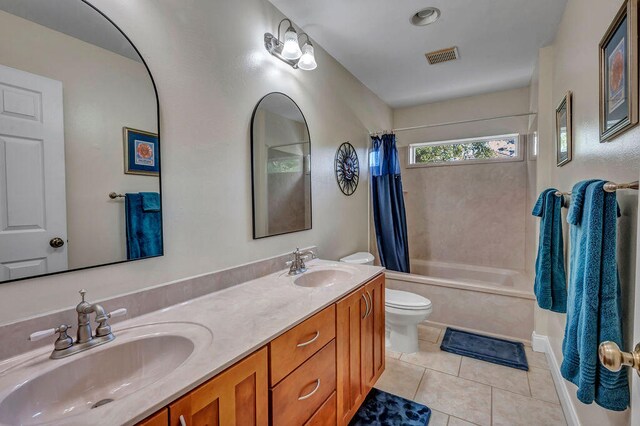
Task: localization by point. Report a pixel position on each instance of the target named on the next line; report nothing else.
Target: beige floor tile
(542, 386)
(454, 421)
(438, 419)
(536, 359)
(431, 357)
(400, 378)
(495, 375)
(467, 400)
(428, 333)
(510, 409)
(392, 354)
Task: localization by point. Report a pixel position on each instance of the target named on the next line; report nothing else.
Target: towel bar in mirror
(612, 358)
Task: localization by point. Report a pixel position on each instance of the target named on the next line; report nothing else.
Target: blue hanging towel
(143, 225)
(550, 285)
(594, 307)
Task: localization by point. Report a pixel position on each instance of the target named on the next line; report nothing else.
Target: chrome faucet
(65, 346)
(296, 264)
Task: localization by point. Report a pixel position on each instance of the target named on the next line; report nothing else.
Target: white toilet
(403, 311)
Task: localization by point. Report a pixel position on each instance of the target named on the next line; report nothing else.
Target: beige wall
(209, 62)
(472, 214)
(103, 92)
(572, 64)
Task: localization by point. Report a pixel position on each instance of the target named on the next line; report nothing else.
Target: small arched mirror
(281, 167)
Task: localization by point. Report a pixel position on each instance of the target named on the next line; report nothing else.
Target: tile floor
(462, 391)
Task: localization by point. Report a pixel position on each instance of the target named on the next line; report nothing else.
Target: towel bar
(114, 195)
(613, 187)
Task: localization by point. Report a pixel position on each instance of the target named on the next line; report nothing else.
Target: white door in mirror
(32, 214)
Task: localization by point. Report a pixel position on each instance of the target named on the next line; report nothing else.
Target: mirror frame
(253, 189)
(155, 90)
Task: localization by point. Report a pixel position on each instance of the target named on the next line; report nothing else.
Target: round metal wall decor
(347, 168)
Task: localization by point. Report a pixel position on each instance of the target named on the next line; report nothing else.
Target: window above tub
(486, 149)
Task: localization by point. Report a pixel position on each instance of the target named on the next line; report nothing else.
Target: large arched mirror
(79, 143)
(281, 167)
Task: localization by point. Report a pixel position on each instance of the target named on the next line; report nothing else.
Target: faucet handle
(82, 293)
(39, 335)
(117, 313)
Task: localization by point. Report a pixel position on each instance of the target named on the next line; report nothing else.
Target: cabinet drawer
(298, 344)
(161, 418)
(299, 396)
(326, 414)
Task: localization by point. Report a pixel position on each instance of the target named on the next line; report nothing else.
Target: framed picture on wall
(141, 153)
(619, 73)
(564, 131)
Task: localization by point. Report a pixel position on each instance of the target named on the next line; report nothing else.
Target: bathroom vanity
(280, 349)
(317, 373)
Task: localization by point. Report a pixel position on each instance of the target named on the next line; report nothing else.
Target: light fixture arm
(280, 25)
(307, 36)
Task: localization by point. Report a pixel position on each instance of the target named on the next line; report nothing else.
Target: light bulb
(291, 48)
(307, 61)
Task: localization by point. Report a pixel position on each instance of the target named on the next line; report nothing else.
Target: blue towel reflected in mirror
(143, 225)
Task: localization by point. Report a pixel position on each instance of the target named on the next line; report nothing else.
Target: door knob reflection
(56, 242)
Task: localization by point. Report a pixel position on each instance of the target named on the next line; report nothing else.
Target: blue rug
(383, 409)
(484, 348)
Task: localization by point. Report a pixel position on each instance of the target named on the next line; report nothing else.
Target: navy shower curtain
(388, 204)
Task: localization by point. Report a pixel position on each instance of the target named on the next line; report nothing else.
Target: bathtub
(493, 301)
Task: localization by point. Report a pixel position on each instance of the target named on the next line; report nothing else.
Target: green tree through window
(491, 148)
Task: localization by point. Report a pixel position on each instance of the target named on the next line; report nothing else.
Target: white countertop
(242, 319)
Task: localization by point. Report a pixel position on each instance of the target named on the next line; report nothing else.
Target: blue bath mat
(384, 409)
(490, 349)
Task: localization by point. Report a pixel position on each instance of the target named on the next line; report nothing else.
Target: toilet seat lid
(405, 300)
(361, 258)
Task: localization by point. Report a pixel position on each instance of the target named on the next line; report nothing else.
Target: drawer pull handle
(370, 303)
(310, 394)
(183, 422)
(366, 310)
(300, 345)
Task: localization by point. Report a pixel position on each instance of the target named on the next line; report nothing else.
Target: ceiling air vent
(444, 55)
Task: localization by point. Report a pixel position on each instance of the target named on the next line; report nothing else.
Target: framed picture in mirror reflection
(564, 133)
(141, 153)
(619, 73)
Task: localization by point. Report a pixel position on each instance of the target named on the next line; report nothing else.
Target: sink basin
(322, 278)
(94, 379)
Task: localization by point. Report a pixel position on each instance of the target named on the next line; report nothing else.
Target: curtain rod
(451, 123)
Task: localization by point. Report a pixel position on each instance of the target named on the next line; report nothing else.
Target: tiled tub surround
(241, 318)
(14, 335)
(493, 301)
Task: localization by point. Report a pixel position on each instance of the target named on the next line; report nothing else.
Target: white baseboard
(540, 343)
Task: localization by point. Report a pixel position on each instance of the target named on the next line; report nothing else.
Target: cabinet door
(350, 387)
(373, 345)
(238, 396)
(161, 418)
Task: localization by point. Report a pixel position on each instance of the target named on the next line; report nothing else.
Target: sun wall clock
(347, 168)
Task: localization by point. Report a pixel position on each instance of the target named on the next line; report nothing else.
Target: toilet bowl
(403, 312)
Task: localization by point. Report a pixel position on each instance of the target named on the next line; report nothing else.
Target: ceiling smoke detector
(425, 16)
(444, 55)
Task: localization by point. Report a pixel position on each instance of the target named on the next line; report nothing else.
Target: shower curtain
(388, 204)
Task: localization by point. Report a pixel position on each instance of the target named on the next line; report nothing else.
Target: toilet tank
(360, 258)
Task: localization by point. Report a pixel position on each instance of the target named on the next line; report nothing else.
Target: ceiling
(498, 42)
(73, 18)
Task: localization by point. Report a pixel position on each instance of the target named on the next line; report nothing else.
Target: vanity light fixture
(289, 51)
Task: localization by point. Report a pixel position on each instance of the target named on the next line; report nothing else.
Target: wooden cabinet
(295, 399)
(316, 374)
(238, 396)
(360, 346)
(373, 347)
(294, 347)
(161, 418)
